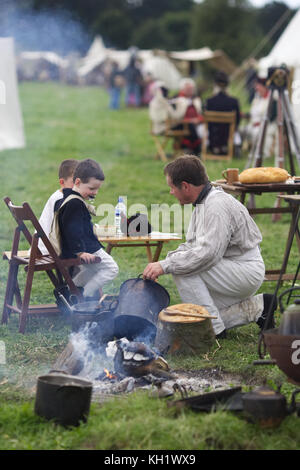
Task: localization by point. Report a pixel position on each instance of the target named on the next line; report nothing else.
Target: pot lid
(264, 393)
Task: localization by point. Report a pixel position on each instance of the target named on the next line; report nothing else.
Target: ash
(202, 381)
(98, 364)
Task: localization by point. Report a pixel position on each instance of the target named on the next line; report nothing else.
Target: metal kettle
(290, 323)
(268, 407)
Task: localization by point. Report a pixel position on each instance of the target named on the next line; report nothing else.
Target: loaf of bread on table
(264, 175)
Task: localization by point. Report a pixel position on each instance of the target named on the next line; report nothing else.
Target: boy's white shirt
(47, 215)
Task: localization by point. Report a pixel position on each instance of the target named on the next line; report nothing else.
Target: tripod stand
(285, 125)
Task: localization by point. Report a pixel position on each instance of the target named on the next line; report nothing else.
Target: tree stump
(184, 334)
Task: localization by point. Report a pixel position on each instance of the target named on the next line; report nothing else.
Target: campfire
(107, 375)
(121, 366)
(121, 344)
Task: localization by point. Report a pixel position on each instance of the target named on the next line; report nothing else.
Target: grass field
(63, 122)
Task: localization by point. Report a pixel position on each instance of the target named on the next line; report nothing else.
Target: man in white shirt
(65, 175)
(220, 265)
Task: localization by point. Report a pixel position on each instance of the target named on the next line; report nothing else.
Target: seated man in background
(222, 102)
(188, 108)
(160, 109)
(220, 266)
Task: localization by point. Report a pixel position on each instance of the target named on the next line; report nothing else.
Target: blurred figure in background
(258, 111)
(160, 109)
(184, 108)
(250, 79)
(147, 88)
(115, 85)
(221, 101)
(134, 80)
(188, 107)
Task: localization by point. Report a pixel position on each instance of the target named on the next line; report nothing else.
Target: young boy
(76, 229)
(65, 175)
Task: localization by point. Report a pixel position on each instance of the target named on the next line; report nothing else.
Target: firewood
(68, 361)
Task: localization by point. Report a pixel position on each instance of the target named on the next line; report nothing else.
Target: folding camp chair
(218, 117)
(161, 140)
(56, 268)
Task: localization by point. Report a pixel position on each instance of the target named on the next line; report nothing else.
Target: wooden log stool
(184, 329)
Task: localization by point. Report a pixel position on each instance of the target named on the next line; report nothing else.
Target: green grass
(63, 122)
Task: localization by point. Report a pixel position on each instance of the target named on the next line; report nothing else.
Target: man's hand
(152, 271)
(87, 257)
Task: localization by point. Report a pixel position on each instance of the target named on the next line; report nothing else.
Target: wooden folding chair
(222, 118)
(161, 140)
(33, 261)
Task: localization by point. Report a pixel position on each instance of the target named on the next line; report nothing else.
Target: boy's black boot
(269, 302)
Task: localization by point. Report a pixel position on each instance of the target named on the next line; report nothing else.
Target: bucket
(63, 398)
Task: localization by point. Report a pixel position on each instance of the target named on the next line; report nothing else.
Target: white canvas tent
(217, 59)
(41, 65)
(11, 122)
(158, 64)
(286, 51)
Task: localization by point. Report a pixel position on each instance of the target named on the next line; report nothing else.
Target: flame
(109, 375)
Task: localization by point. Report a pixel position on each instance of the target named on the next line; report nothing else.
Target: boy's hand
(87, 257)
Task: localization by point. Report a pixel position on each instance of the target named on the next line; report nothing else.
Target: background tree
(268, 16)
(229, 25)
(234, 26)
(115, 27)
(169, 32)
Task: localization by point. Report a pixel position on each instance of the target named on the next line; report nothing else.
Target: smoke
(91, 353)
(55, 31)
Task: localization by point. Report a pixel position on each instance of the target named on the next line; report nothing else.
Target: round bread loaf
(186, 310)
(264, 175)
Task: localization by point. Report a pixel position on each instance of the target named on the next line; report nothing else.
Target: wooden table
(149, 241)
(291, 191)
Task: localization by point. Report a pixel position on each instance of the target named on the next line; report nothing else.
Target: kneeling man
(220, 265)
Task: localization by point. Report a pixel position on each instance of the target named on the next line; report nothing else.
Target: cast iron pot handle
(293, 401)
(284, 293)
(139, 277)
(115, 303)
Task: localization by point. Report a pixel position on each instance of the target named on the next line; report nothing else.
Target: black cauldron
(136, 315)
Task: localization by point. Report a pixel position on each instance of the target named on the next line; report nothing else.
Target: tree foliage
(234, 26)
(227, 25)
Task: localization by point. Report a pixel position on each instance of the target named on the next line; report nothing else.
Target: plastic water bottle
(120, 210)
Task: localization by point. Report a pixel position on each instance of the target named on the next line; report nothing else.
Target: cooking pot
(139, 304)
(101, 312)
(64, 398)
(290, 323)
(284, 350)
(267, 406)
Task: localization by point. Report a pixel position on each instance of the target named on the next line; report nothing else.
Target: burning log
(69, 361)
(137, 359)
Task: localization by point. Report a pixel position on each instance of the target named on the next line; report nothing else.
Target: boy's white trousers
(94, 276)
(227, 290)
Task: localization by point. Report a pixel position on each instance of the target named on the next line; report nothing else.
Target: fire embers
(137, 359)
(106, 375)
